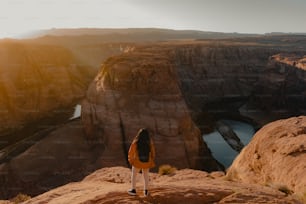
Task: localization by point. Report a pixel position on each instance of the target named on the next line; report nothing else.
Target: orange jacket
(134, 159)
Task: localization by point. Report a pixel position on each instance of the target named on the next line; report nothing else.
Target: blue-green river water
(221, 151)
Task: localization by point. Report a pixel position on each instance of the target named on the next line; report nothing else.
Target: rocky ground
(109, 185)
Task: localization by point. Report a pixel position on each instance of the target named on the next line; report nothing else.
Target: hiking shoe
(145, 192)
(132, 192)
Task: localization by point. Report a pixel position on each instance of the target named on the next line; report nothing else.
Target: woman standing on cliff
(141, 157)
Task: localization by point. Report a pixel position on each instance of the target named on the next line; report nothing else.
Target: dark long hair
(143, 142)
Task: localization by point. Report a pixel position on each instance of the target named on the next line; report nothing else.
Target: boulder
(276, 156)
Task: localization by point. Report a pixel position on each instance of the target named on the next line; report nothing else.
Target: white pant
(145, 173)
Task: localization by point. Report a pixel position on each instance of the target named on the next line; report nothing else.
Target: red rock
(276, 156)
(36, 80)
(110, 185)
(134, 91)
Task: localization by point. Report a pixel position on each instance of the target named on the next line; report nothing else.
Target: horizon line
(27, 34)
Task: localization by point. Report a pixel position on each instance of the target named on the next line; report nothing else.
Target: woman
(141, 157)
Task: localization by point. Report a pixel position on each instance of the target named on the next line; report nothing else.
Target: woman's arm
(131, 154)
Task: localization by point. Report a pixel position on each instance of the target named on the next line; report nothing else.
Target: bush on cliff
(166, 169)
(20, 198)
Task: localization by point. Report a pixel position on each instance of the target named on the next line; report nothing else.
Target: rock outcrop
(64, 155)
(295, 60)
(110, 185)
(138, 90)
(275, 156)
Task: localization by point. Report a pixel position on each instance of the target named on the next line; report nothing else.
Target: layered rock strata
(174, 88)
(239, 82)
(141, 90)
(36, 81)
(63, 156)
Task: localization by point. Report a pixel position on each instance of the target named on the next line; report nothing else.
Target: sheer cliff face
(141, 90)
(35, 80)
(175, 89)
(245, 83)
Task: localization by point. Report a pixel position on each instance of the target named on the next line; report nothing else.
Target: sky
(244, 16)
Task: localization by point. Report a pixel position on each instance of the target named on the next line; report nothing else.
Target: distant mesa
(140, 34)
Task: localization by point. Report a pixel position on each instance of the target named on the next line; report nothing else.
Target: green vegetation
(231, 176)
(20, 198)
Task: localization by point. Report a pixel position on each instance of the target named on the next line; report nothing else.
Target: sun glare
(18, 17)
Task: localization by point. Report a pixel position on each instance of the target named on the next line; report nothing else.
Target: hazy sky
(246, 16)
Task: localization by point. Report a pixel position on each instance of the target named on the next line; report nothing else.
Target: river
(221, 151)
(77, 112)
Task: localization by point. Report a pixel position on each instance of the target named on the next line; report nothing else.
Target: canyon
(178, 90)
(172, 88)
(36, 83)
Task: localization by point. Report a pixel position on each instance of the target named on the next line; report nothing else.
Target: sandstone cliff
(276, 156)
(62, 156)
(35, 82)
(175, 88)
(238, 81)
(137, 90)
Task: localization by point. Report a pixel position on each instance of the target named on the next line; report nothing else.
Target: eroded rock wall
(240, 82)
(141, 90)
(179, 90)
(62, 156)
(35, 80)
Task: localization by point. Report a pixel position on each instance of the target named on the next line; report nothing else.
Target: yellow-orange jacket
(134, 159)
